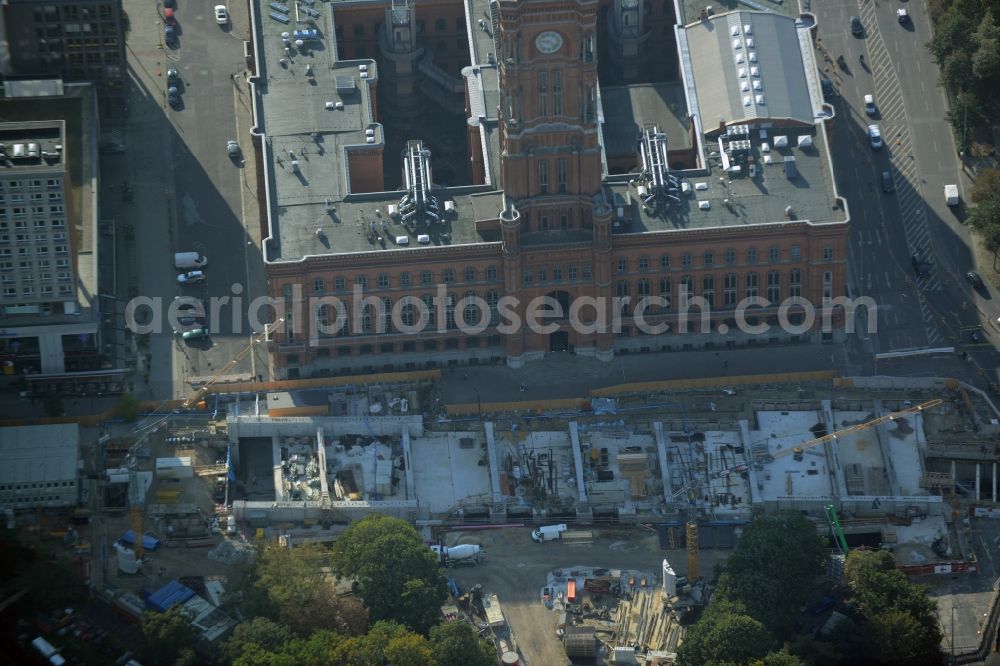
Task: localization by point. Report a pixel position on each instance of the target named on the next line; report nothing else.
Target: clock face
(549, 42)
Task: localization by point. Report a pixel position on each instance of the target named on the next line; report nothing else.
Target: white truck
(465, 555)
(951, 195)
(547, 533)
(189, 260)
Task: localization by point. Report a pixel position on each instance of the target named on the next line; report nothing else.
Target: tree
(986, 186)
(772, 569)
(128, 407)
(395, 574)
(261, 632)
(165, 635)
(985, 217)
(861, 564)
(986, 58)
(458, 644)
(952, 35)
(725, 634)
(899, 617)
(386, 642)
(897, 637)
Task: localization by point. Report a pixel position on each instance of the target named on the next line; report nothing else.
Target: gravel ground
(515, 569)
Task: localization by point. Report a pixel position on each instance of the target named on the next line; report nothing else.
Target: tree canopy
(396, 575)
(725, 634)
(773, 568)
(458, 644)
(165, 635)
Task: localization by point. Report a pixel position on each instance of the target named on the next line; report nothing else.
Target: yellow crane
(798, 450)
(136, 498)
(200, 393)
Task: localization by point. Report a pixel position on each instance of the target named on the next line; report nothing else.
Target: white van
(951, 195)
(189, 260)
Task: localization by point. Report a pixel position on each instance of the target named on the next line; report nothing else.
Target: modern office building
(76, 40)
(49, 303)
(40, 466)
(644, 169)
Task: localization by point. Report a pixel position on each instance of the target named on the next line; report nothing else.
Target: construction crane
(800, 449)
(838, 532)
(200, 393)
(137, 498)
(797, 451)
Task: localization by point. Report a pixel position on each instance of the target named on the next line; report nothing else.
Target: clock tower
(548, 111)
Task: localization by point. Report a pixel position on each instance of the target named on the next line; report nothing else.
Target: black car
(920, 267)
(173, 97)
(170, 34)
(170, 4)
(856, 28)
(828, 91)
(973, 278)
(887, 184)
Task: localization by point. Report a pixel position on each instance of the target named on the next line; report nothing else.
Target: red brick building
(519, 165)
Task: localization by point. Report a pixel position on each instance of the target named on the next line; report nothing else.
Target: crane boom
(200, 393)
(856, 428)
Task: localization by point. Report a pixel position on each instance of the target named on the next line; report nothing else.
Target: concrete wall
(304, 426)
(294, 512)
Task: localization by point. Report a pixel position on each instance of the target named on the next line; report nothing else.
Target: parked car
(174, 96)
(856, 28)
(170, 4)
(902, 15)
(194, 334)
(973, 278)
(233, 148)
(173, 77)
(221, 15)
(875, 136)
(887, 184)
(828, 90)
(920, 267)
(170, 34)
(870, 108)
(191, 277)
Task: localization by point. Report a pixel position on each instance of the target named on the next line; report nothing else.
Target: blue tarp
(169, 595)
(149, 543)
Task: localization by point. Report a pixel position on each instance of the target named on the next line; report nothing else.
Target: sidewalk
(565, 375)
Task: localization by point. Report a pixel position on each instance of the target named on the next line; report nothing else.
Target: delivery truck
(951, 195)
(189, 260)
(547, 533)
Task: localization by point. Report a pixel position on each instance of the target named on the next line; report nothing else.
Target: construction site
(594, 526)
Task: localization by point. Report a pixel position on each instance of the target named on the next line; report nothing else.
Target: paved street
(188, 194)
(941, 309)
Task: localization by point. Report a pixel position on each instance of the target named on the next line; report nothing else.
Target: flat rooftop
(796, 178)
(31, 146)
(691, 9)
(43, 453)
(316, 110)
(627, 109)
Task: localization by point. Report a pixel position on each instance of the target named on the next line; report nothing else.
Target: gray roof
(748, 75)
(762, 199)
(41, 453)
(628, 108)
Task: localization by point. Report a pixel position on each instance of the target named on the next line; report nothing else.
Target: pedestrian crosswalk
(896, 130)
(899, 143)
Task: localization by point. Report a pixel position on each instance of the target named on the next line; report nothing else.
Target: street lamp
(479, 405)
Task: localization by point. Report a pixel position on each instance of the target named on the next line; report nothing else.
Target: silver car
(191, 277)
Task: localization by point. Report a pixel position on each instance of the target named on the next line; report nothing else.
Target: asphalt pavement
(887, 229)
(189, 195)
